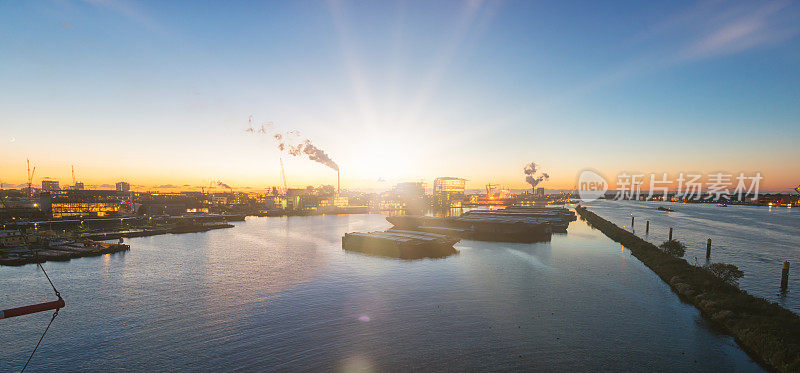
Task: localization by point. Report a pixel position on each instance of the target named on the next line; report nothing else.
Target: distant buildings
(49, 185)
(407, 195)
(449, 191)
(540, 192)
(123, 187)
(78, 186)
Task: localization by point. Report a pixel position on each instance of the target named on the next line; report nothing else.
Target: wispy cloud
(723, 28)
(127, 9)
(707, 30)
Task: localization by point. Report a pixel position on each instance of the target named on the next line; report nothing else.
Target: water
(757, 239)
(280, 294)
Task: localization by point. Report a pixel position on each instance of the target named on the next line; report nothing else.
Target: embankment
(767, 331)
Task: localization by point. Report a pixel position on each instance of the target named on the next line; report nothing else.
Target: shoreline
(67, 252)
(763, 329)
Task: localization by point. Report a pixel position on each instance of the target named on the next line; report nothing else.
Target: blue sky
(160, 92)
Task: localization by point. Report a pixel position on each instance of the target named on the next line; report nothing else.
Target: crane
(283, 176)
(30, 178)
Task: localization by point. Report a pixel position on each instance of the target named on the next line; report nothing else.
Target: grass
(767, 331)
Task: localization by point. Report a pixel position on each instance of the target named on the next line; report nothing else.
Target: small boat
(722, 205)
(662, 208)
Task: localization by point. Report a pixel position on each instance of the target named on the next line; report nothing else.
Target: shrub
(674, 247)
(728, 273)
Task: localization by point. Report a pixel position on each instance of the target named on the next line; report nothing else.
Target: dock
(60, 250)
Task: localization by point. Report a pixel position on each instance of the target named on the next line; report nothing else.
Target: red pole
(26, 310)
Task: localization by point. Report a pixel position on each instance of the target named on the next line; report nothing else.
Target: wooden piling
(647, 227)
(631, 222)
(785, 275)
(708, 249)
(670, 234)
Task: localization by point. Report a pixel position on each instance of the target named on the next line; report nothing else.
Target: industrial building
(84, 203)
(449, 191)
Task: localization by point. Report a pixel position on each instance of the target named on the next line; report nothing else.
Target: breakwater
(765, 330)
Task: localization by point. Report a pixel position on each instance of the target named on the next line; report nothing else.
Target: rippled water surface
(757, 239)
(280, 294)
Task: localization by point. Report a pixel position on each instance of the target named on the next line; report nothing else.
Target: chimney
(338, 183)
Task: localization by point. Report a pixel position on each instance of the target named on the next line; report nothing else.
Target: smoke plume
(220, 183)
(530, 175)
(291, 143)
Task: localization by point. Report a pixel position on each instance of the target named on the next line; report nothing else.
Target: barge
(402, 244)
(558, 218)
(482, 228)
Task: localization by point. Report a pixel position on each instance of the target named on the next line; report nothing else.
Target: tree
(728, 273)
(674, 247)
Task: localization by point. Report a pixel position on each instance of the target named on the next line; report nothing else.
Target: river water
(757, 239)
(280, 294)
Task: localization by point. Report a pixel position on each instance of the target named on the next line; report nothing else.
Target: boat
(722, 205)
(402, 244)
(662, 208)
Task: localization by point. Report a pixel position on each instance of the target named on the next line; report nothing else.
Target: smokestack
(338, 183)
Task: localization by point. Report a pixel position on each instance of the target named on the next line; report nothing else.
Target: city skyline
(159, 94)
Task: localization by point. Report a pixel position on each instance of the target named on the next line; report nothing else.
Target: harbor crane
(30, 178)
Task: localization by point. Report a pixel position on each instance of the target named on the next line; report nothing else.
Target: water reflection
(281, 294)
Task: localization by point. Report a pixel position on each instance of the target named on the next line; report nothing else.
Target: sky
(160, 93)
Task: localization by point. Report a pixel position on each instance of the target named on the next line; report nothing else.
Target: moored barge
(401, 244)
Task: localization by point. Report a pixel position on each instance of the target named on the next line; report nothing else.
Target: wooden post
(631, 222)
(785, 275)
(670, 234)
(708, 249)
(25, 310)
(647, 227)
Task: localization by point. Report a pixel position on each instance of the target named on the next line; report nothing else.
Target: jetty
(765, 330)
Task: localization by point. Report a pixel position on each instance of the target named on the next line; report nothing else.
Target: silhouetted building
(48, 185)
(123, 187)
(410, 195)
